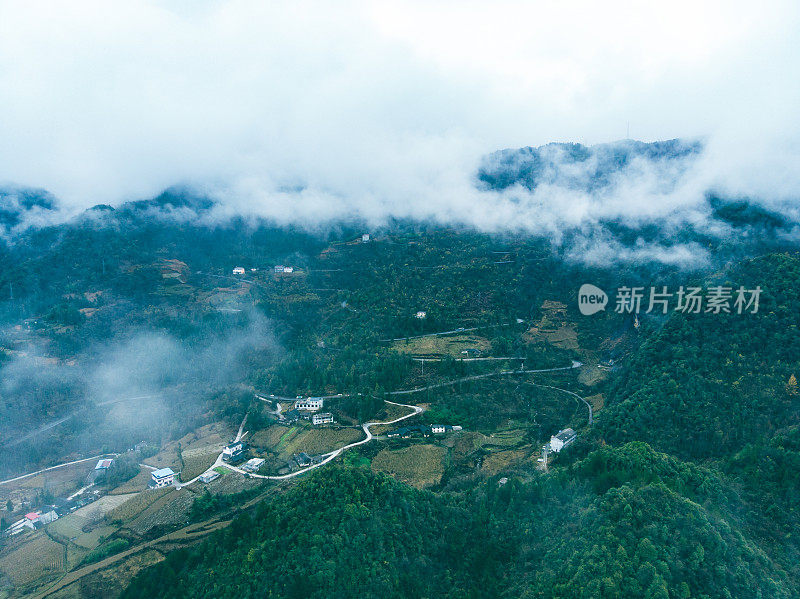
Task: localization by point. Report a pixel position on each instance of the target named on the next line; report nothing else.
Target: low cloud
(308, 113)
(139, 384)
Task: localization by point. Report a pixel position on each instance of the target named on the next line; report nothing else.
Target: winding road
(366, 426)
(575, 364)
(327, 457)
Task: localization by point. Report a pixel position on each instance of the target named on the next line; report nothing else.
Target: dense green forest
(704, 385)
(659, 529)
(686, 485)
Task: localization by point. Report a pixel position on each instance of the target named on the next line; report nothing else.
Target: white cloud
(314, 110)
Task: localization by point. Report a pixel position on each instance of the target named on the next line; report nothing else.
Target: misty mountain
(19, 204)
(585, 168)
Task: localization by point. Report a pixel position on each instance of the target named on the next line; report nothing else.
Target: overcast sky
(308, 110)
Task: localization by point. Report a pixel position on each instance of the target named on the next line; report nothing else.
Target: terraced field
(136, 504)
(449, 345)
(169, 509)
(498, 461)
(417, 465)
(286, 441)
(38, 559)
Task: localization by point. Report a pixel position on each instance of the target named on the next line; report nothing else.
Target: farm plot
(233, 482)
(197, 460)
(80, 530)
(137, 483)
(506, 438)
(417, 465)
(96, 511)
(110, 582)
(496, 462)
(23, 568)
(170, 509)
(451, 345)
(136, 504)
(283, 442)
(315, 441)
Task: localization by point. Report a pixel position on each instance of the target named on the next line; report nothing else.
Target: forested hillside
(705, 385)
(134, 329)
(662, 529)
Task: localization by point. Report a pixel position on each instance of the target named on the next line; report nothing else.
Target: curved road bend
(328, 456)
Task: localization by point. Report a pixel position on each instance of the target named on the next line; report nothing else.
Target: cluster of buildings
(61, 507)
(277, 269)
(308, 408)
(303, 460)
(414, 430)
(101, 468)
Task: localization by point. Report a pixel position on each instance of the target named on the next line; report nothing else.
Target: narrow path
(95, 457)
(588, 405)
(441, 333)
(467, 359)
(575, 364)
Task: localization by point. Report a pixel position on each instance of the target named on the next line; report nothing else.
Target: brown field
(79, 530)
(170, 509)
(286, 441)
(134, 485)
(198, 460)
(135, 504)
(232, 482)
(39, 558)
(110, 581)
(496, 462)
(96, 511)
(417, 465)
(466, 443)
(591, 375)
(597, 401)
(449, 345)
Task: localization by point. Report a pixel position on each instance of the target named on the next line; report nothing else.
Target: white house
(365, 238)
(421, 315)
(562, 439)
(322, 418)
(39, 519)
(163, 477)
(233, 451)
(239, 270)
(288, 269)
(438, 428)
(104, 464)
(309, 404)
(253, 464)
(48, 517)
(207, 477)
